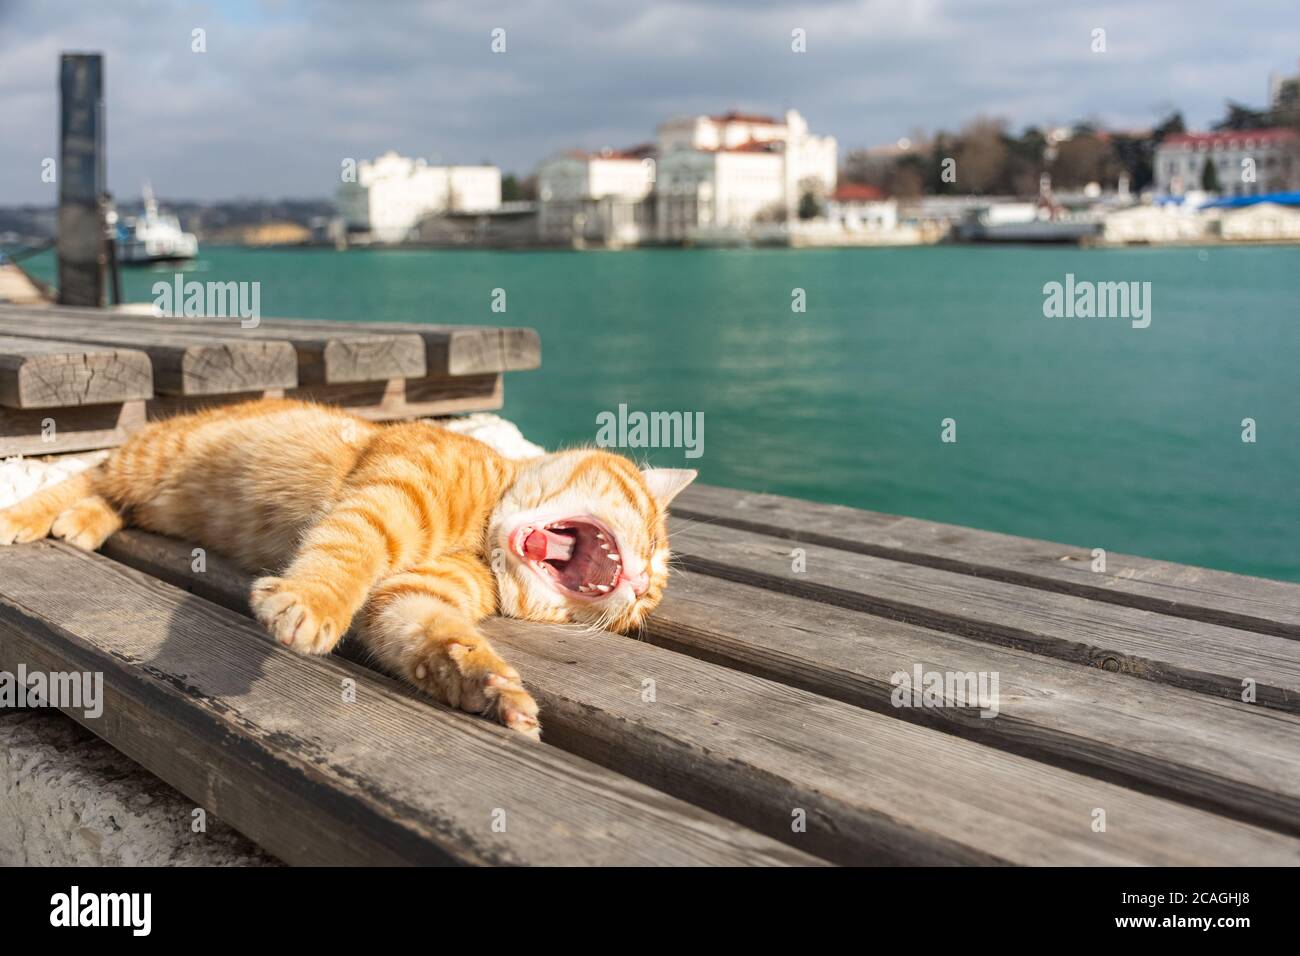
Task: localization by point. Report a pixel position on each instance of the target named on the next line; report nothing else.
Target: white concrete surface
(69, 799)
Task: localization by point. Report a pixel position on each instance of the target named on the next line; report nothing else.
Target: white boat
(153, 237)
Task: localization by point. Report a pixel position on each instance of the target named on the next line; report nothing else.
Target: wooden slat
(873, 789)
(59, 430)
(106, 426)
(411, 398)
(266, 739)
(340, 355)
(449, 349)
(1221, 755)
(189, 365)
(1198, 656)
(1200, 594)
(43, 373)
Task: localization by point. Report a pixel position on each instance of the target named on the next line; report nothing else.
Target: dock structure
(821, 685)
(19, 288)
(73, 379)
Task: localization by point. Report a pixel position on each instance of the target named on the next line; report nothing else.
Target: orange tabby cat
(415, 531)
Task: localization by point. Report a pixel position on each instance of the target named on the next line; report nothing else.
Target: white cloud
(288, 88)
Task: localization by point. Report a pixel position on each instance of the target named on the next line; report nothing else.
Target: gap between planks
(1200, 594)
(1195, 655)
(1225, 756)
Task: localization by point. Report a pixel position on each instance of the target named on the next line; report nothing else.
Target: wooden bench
(74, 379)
(754, 722)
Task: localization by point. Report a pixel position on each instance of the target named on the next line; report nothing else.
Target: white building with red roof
(1249, 162)
(720, 174)
(857, 207)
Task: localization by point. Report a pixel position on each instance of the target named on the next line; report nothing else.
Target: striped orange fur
(406, 533)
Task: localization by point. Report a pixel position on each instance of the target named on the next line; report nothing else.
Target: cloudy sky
(288, 88)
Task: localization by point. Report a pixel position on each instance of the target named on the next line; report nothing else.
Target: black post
(82, 257)
(110, 249)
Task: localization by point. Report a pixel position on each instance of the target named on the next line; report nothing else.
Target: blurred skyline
(288, 88)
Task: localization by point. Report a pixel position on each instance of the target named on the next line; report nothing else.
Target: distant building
(1261, 222)
(392, 194)
(1156, 223)
(725, 172)
(1246, 162)
(724, 131)
(719, 190)
(703, 174)
(596, 197)
(859, 207)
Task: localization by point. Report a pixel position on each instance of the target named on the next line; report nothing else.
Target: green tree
(1171, 124)
(809, 207)
(1084, 158)
(1209, 177)
(1241, 117)
(982, 156)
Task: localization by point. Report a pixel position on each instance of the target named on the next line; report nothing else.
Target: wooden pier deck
(73, 379)
(1144, 714)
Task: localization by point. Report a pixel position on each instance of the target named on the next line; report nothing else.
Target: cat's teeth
(604, 547)
(600, 536)
(602, 588)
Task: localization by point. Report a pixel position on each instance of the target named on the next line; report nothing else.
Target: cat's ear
(667, 483)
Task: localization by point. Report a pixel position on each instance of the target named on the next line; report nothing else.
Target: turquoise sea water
(1085, 431)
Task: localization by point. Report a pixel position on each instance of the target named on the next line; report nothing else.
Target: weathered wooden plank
(45, 373)
(275, 745)
(340, 355)
(1222, 755)
(449, 349)
(78, 428)
(1201, 594)
(51, 431)
(411, 398)
(189, 365)
(354, 357)
(871, 788)
(1195, 655)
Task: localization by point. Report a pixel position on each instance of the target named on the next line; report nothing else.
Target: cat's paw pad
(16, 527)
(298, 616)
(469, 676)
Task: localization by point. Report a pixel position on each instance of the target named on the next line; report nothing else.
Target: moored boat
(153, 237)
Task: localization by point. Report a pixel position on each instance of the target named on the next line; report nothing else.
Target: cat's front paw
(465, 672)
(298, 615)
(19, 525)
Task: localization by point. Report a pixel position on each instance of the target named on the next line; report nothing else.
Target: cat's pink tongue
(546, 545)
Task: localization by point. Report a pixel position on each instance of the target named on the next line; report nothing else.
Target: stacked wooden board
(1145, 714)
(74, 379)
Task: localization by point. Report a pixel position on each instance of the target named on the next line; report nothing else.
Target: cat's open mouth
(577, 555)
